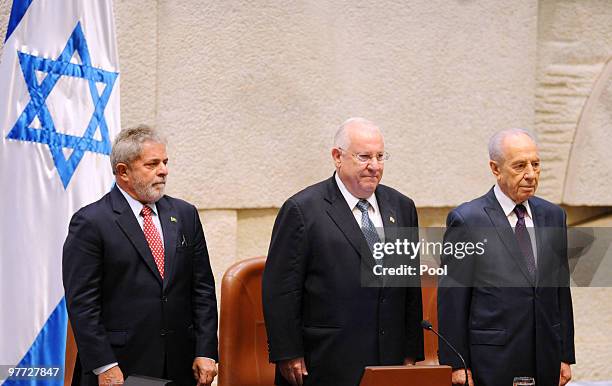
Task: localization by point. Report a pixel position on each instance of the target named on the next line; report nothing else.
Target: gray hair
(342, 138)
(128, 144)
(495, 143)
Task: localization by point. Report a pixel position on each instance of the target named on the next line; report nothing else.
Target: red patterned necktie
(152, 235)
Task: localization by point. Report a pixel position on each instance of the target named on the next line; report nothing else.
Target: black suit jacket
(314, 303)
(504, 322)
(120, 308)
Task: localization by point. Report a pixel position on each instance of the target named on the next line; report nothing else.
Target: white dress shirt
(373, 210)
(508, 207)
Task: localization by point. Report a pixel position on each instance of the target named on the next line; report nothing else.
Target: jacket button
(382, 332)
(164, 299)
(163, 332)
(383, 300)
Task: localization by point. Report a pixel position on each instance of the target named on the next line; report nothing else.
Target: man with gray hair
(508, 311)
(324, 325)
(139, 288)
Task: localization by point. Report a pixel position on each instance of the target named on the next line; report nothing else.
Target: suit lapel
(505, 232)
(342, 216)
(388, 215)
(539, 221)
(128, 223)
(389, 219)
(169, 222)
(390, 226)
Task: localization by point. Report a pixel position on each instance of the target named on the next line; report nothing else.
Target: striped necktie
(367, 226)
(524, 241)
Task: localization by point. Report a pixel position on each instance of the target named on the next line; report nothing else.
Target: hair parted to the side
(127, 146)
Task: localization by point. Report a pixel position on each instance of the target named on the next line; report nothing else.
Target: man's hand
(565, 374)
(293, 370)
(204, 370)
(409, 361)
(112, 376)
(458, 377)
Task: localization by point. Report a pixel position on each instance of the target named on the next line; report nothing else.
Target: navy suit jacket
(314, 303)
(119, 307)
(499, 318)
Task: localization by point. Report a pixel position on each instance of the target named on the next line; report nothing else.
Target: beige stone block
(592, 315)
(136, 28)
(592, 216)
(589, 168)
(433, 217)
(220, 230)
(574, 42)
(593, 322)
(554, 166)
(262, 85)
(254, 232)
(560, 98)
(574, 31)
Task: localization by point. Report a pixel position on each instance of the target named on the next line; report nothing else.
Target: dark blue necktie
(524, 241)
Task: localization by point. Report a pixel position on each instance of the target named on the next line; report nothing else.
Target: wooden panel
(406, 376)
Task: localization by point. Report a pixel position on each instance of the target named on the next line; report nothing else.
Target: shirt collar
(352, 200)
(136, 205)
(507, 204)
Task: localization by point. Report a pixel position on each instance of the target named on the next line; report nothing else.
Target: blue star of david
(47, 134)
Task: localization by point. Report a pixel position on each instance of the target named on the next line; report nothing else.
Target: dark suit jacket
(314, 303)
(120, 308)
(503, 322)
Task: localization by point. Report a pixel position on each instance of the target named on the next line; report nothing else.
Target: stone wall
(250, 94)
(574, 45)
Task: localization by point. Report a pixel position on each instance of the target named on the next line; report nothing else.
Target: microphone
(427, 326)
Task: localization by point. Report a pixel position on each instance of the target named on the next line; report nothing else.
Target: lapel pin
(172, 219)
(392, 219)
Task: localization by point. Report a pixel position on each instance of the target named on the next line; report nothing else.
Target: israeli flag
(59, 111)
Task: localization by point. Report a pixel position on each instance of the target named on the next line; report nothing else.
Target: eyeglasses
(367, 157)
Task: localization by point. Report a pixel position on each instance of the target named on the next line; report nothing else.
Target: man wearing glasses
(324, 326)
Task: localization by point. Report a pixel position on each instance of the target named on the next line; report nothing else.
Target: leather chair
(243, 347)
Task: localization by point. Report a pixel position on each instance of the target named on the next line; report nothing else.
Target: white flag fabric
(59, 111)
